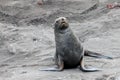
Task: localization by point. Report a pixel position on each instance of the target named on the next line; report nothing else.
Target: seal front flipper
(86, 69)
(60, 66)
(51, 69)
(96, 55)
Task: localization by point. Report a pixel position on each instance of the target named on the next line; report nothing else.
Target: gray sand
(27, 38)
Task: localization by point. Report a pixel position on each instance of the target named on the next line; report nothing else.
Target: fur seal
(69, 51)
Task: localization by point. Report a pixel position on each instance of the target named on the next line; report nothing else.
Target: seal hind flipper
(96, 55)
(84, 69)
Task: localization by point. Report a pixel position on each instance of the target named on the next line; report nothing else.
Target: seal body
(68, 47)
(69, 51)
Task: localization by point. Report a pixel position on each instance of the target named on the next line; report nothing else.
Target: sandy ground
(27, 38)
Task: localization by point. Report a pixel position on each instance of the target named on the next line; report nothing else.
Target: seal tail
(87, 69)
(96, 55)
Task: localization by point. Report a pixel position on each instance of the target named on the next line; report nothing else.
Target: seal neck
(62, 31)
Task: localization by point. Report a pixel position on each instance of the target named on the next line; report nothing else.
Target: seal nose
(62, 19)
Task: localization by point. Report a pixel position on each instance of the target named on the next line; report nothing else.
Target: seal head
(61, 23)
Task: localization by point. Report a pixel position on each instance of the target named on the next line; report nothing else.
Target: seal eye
(57, 21)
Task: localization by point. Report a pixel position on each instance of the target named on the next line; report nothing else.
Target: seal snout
(63, 21)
